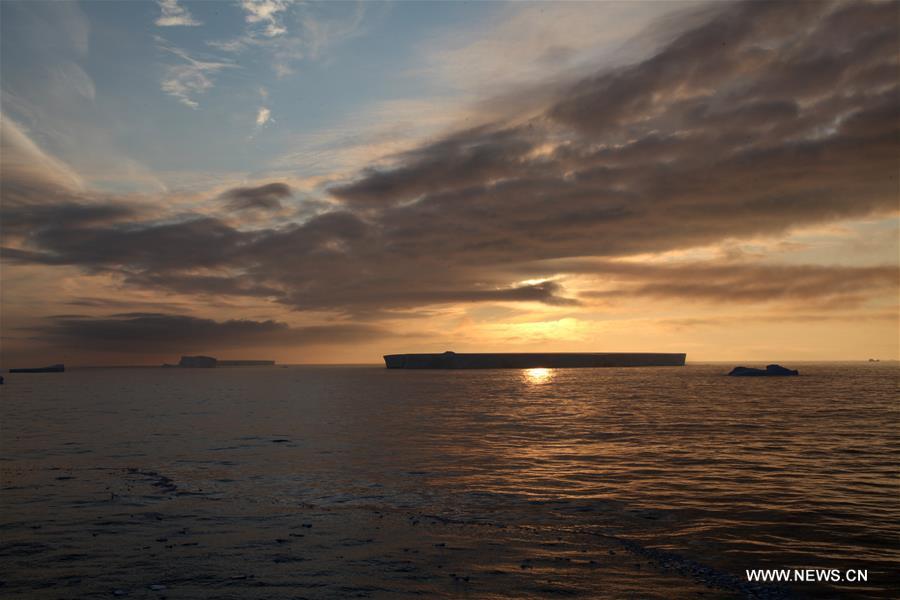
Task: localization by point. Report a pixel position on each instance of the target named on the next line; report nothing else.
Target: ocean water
(333, 482)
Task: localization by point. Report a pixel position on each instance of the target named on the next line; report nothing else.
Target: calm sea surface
(325, 482)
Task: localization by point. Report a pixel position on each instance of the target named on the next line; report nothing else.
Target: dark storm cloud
(547, 292)
(197, 243)
(204, 285)
(263, 197)
(467, 158)
(734, 51)
(159, 332)
(766, 117)
(429, 292)
(19, 219)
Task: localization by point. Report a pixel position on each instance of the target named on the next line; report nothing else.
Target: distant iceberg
(769, 371)
(210, 362)
(57, 368)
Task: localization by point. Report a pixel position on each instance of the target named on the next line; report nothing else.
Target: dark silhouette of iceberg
(769, 371)
(528, 360)
(198, 362)
(209, 362)
(58, 368)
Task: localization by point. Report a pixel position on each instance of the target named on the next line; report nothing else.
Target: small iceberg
(769, 371)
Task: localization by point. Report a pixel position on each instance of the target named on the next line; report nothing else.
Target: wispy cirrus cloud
(288, 32)
(190, 78)
(550, 41)
(175, 15)
(267, 13)
(26, 169)
(48, 88)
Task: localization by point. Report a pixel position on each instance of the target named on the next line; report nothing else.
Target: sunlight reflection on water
(538, 375)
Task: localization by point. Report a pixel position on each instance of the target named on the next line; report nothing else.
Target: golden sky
(333, 182)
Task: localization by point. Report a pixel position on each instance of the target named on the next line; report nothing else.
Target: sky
(330, 182)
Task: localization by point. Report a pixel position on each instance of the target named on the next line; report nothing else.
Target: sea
(358, 481)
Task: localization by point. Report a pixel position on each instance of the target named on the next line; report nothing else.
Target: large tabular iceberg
(529, 360)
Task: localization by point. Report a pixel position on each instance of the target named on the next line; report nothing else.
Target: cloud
(759, 119)
(734, 129)
(144, 333)
(267, 13)
(28, 219)
(769, 317)
(191, 78)
(316, 30)
(174, 15)
(27, 170)
(263, 197)
(49, 91)
(736, 283)
(262, 116)
(45, 28)
(204, 285)
(68, 75)
(199, 242)
(548, 40)
(320, 32)
(40, 191)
